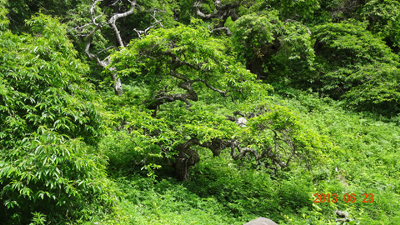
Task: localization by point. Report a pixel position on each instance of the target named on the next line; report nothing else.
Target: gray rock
(261, 221)
(344, 215)
(241, 122)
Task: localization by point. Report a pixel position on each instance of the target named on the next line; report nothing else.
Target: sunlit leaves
(50, 166)
(3, 15)
(44, 81)
(186, 50)
(47, 119)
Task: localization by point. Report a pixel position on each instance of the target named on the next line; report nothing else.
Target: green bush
(353, 64)
(49, 127)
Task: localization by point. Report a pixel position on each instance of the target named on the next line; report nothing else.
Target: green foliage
(384, 17)
(293, 9)
(47, 120)
(272, 48)
(364, 150)
(194, 47)
(22, 10)
(3, 15)
(357, 161)
(166, 201)
(38, 219)
(171, 58)
(61, 135)
(47, 88)
(153, 57)
(59, 186)
(247, 191)
(355, 65)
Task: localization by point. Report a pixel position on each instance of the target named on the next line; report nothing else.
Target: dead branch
(157, 21)
(227, 30)
(117, 16)
(222, 12)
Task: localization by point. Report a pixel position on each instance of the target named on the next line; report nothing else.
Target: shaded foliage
(273, 49)
(353, 64)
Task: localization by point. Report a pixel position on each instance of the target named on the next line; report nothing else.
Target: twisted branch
(145, 31)
(227, 30)
(117, 16)
(222, 13)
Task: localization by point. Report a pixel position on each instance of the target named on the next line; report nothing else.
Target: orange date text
(322, 198)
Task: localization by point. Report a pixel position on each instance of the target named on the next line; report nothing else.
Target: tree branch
(197, 6)
(92, 12)
(104, 63)
(227, 6)
(140, 32)
(177, 62)
(227, 30)
(211, 87)
(117, 16)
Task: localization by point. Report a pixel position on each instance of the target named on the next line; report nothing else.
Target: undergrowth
(362, 156)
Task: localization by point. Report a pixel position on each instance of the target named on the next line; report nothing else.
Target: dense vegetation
(199, 112)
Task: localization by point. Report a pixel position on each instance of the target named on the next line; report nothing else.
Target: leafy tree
(21, 10)
(100, 27)
(383, 18)
(49, 119)
(342, 10)
(179, 66)
(219, 13)
(3, 15)
(294, 10)
(354, 64)
(271, 48)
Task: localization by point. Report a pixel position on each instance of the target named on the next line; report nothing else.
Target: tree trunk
(117, 85)
(255, 66)
(182, 167)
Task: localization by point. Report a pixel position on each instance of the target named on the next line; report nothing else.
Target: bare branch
(197, 6)
(94, 20)
(118, 1)
(114, 18)
(163, 97)
(145, 32)
(139, 32)
(88, 43)
(106, 49)
(92, 12)
(179, 62)
(104, 63)
(154, 16)
(227, 30)
(171, 98)
(111, 22)
(79, 28)
(179, 76)
(266, 153)
(227, 6)
(211, 87)
(222, 13)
